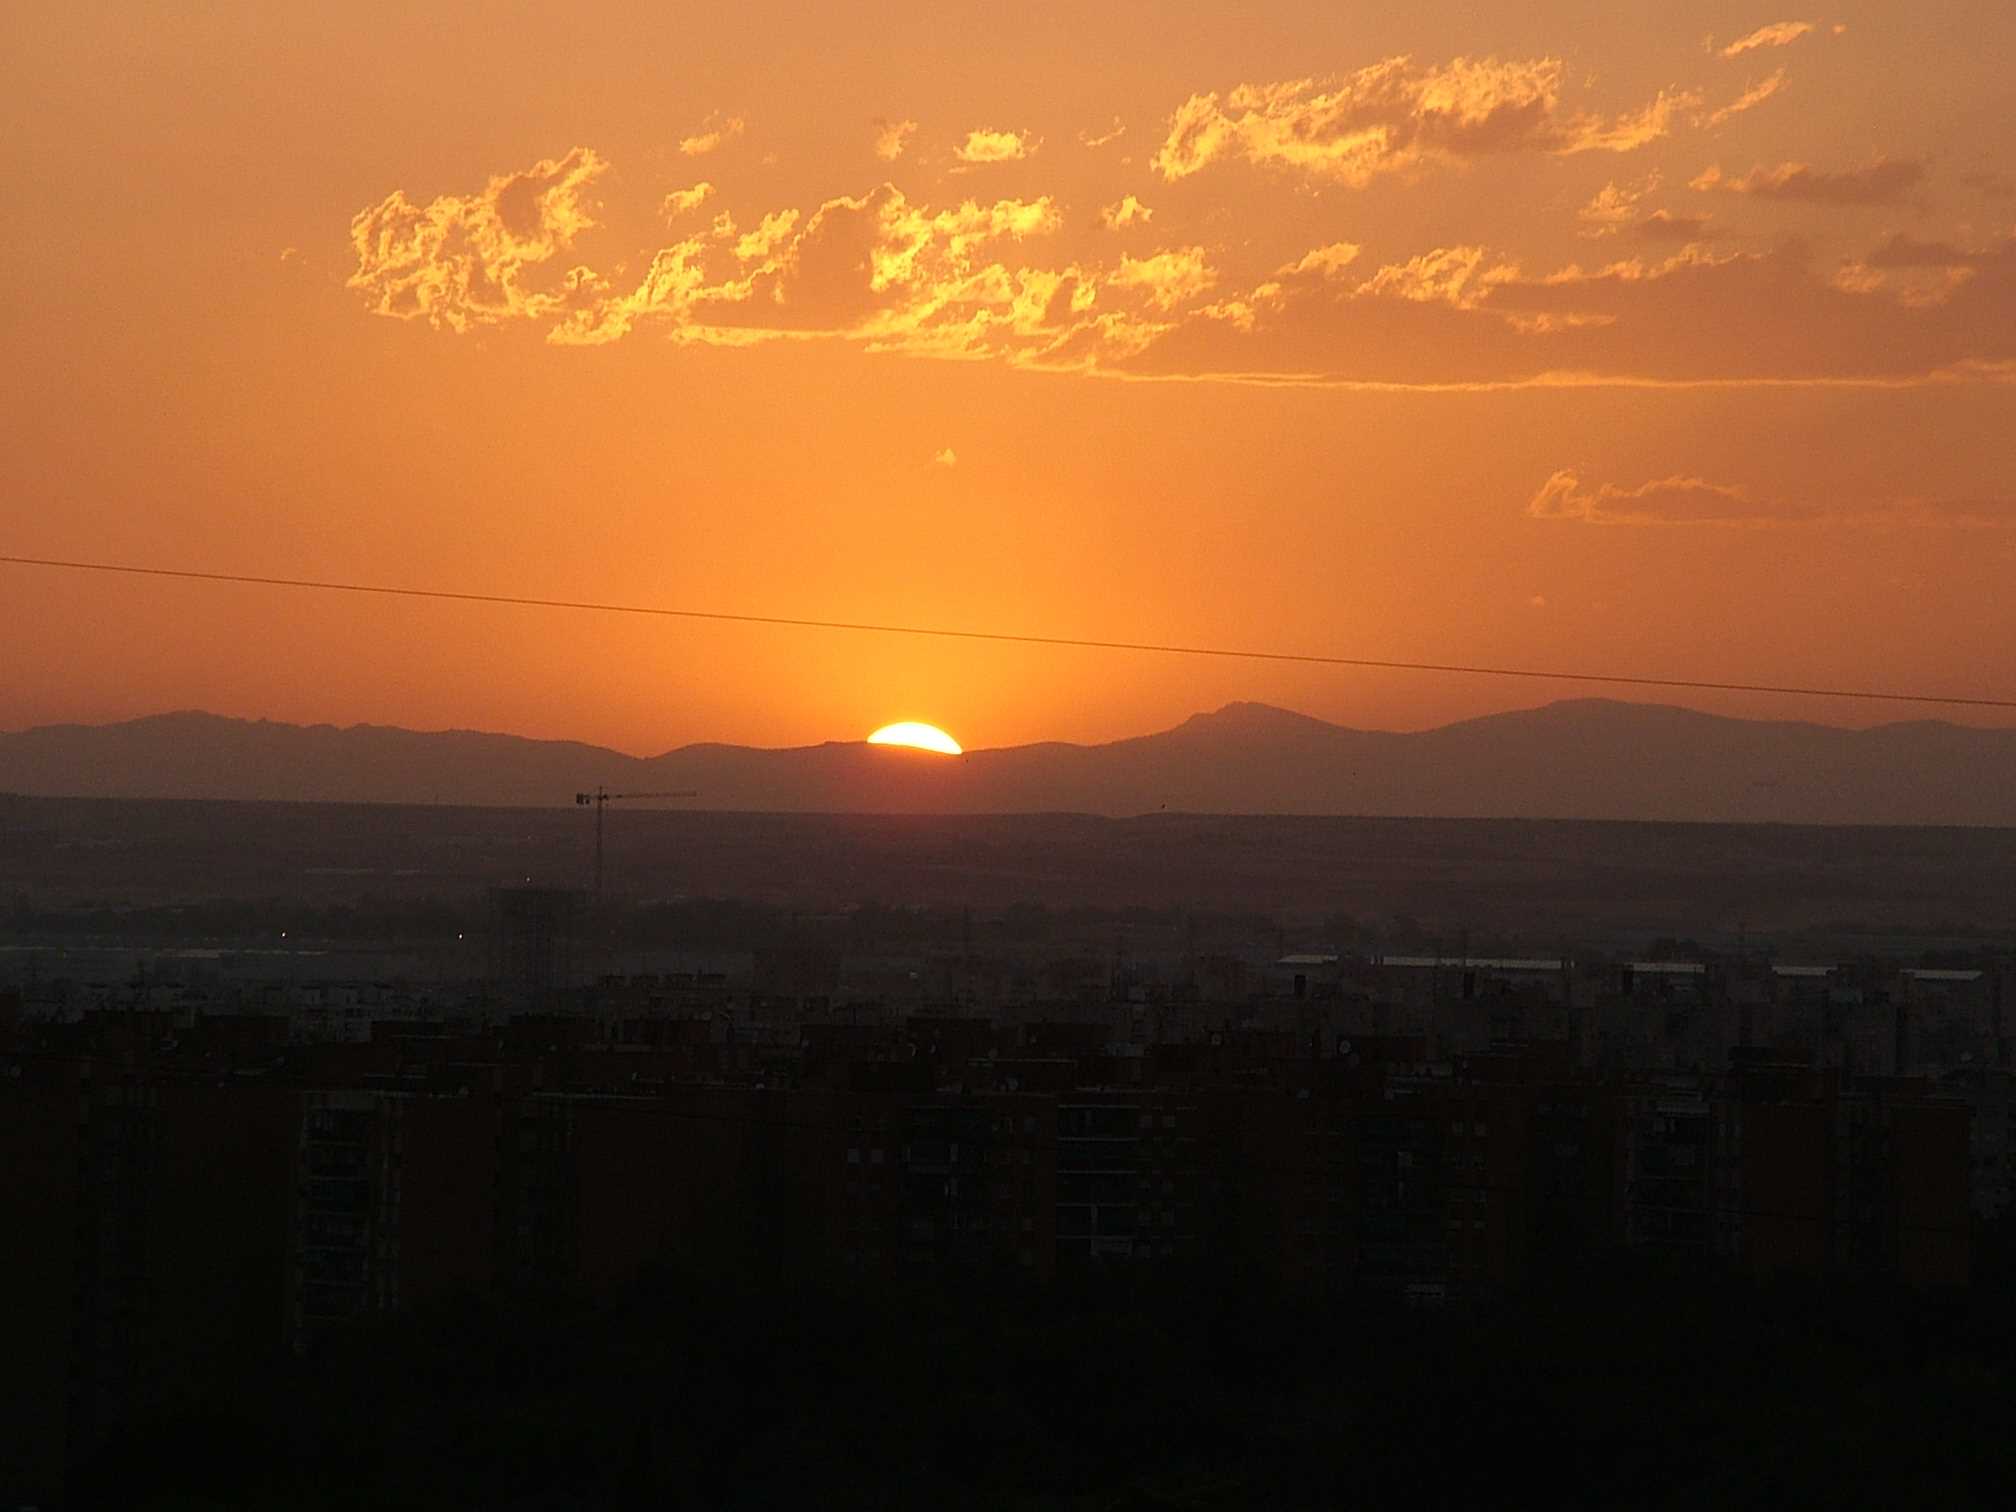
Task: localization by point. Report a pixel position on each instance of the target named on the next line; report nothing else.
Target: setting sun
(911, 733)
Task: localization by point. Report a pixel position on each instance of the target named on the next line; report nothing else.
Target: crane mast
(601, 798)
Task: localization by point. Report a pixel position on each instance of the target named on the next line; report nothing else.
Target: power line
(1003, 637)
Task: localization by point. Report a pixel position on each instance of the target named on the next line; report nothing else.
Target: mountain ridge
(1583, 758)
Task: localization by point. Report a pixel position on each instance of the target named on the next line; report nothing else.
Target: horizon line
(971, 751)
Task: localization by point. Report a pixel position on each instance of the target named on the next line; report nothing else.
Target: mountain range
(1576, 759)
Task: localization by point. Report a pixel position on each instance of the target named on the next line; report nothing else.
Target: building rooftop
(1480, 963)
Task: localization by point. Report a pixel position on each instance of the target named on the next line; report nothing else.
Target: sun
(911, 733)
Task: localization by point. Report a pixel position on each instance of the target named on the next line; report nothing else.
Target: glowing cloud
(1322, 262)
(1882, 182)
(1447, 275)
(891, 137)
(981, 280)
(1665, 501)
(1395, 115)
(1124, 213)
(1664, 225)
(461, 261)
(1614, 207)
(1777, 34)
(1756, 94)
(1679, 501)
(986, 145)
(679, 201)
(1167, 278)
(714, 131)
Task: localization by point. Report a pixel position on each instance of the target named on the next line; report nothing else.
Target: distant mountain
(1579, 759)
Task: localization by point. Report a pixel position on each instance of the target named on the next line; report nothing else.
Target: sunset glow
(911, 733)
(1439, 333)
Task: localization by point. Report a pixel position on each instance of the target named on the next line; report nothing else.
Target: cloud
(1666, 501)
(1634, 129)
(1167, 278)
(891, 137)
(1537, 601)
(875, 269)
(1756, 94)
(1395, 116)
(1112, 133)
(1777, 34)
(288, 254)
(712, 133)
(946, 457)
(1447, 275)
(679, 201)
(1682, 500)
(1664, 225)
(1323, 262)
(1455, 318)
(1614, 206)
(1918, 273)
(993, 280)
(462, 261)
(1903, 251)
(985, 145)
(1124, 213)
(1881, 182)
(769, 234)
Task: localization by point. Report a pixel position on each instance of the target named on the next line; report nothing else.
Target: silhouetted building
(535, 939)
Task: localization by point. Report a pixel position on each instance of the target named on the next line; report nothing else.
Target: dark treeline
(1618, 1383)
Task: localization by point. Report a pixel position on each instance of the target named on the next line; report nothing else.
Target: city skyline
(1562, 340)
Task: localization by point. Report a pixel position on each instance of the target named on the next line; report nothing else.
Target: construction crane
(602, 798)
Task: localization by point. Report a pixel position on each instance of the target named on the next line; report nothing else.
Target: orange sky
(1566, 339)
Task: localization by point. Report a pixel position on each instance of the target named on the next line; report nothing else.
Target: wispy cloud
(1453, 276)
(680, 201)
(1923, 274)
(1683, 500)
(1614, 206)
(1882, 182)
(712, 133)
(1755, 95)
(1112, 133)
(1665, 501)
(1323, 262)
(1777, 34)
(1664, 225)
(1396, 115)
(891, 137)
